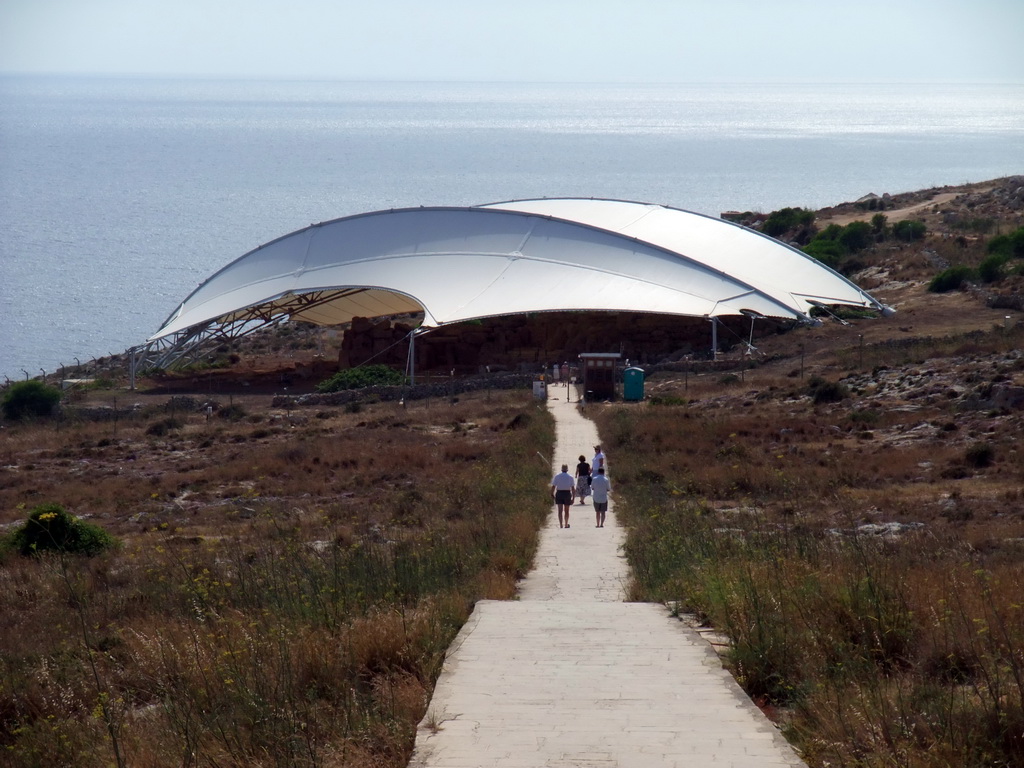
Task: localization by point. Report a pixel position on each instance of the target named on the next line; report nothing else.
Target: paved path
(570, 675)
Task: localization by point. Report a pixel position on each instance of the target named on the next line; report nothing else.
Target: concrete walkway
(570, 675)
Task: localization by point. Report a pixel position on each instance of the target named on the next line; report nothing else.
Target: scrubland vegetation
(273, 587)
(29, 399)
(1002, 260)
(857, 533)
(285, 586)
(863, 553)
(361, 376)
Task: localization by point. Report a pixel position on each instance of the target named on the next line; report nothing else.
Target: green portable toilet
(633, 384)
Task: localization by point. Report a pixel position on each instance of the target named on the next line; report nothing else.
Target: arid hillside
(947, 356)
(256, 530)
(841, 507)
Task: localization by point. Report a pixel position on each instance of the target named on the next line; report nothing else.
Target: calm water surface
(118, 196)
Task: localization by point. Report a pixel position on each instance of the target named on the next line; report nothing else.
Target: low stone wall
(176, 404)
(434, 389)
(99, 413)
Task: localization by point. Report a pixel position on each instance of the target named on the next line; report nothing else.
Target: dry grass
(287, 586)
(746, 505)
(289, 580)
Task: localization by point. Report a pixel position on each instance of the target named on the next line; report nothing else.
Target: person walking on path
(599, 461)
(600, 487)
(563, 491)
(582, 479)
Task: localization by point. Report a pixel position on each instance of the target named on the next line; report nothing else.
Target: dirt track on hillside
(899, 214)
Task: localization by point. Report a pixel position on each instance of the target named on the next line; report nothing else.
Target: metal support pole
(714, 339)
(412, 359)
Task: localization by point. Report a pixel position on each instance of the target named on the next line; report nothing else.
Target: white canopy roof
(457, 264)
(779, 270)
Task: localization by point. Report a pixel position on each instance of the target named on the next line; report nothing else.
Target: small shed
(598, 369)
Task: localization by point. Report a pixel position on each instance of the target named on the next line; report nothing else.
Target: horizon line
(481, 81)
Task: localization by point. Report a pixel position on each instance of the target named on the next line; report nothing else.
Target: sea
(118, 196)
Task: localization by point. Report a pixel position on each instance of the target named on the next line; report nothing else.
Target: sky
(522, 40)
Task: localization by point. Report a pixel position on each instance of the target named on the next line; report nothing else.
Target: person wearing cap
(600, 487)
(598, 462)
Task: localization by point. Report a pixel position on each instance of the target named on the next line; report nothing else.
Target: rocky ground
(942, 375)
(934, 395)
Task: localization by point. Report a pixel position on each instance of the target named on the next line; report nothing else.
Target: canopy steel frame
(194, 344)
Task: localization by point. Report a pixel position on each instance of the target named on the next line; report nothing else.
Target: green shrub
(361, 376)
(865, 416)
(991, 268)
(828, 252)
(162, 427)
(831, 232)
(834, 242)
(1017, 243)
(51, 528)
(908, 231)
(950, 279)
(786, 219)
(824, 391)
(1009, 246)
(981, 225)
(232, 412)
(100, 383)
(28, 399)
(980, 455)
(856, 236)
(852, 313)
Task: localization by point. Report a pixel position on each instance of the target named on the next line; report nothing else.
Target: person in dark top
(582, 479)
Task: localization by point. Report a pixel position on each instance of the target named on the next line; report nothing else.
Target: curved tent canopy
(456, 264)
(777, 269)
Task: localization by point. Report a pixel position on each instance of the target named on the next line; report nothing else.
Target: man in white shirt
(598, 462)
(563, 491)
(599, 487)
